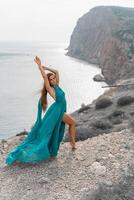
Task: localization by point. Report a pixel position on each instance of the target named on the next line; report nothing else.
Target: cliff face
(105, 36)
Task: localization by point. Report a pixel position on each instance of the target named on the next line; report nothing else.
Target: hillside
(98, 164)
(102, 166)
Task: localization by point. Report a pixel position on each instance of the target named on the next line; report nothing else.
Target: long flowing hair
(43, 92)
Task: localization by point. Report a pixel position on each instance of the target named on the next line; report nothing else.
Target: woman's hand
(44, 67)
(38, 61)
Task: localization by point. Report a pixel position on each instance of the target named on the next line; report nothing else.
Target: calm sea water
(20, 79)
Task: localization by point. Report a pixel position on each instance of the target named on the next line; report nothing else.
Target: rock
(97, 168)
(108, 183)
(22, 133)
(109, 42)
(3, 141)
(43, 180)
(84, 108)
(103, 102)
(99, 78)
(111, 155)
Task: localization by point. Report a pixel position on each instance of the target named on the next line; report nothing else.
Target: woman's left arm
(47, 84)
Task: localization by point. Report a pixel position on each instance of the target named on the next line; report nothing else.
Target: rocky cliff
(105, 36)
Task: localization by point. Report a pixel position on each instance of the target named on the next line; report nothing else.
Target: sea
(20, 81)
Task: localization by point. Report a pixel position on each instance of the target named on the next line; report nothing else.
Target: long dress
(43, 140)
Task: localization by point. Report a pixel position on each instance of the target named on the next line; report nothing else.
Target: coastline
(21, 103)
(102, 161)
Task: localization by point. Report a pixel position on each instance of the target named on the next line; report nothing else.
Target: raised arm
(44, 75)
(50, 90)
(54, 71)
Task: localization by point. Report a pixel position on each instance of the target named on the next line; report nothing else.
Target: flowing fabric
(43, 141)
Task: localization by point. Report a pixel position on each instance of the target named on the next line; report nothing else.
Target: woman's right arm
(41, 68)
(50, 90)
(44, 75)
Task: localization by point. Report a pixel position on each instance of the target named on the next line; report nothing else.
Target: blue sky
(45, 20)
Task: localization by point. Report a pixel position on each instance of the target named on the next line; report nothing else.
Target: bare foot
(53, 157)
(16, 163)
(73, 148)
(73, 145)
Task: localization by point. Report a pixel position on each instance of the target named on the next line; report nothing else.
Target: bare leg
(67, 118)
(72, 133)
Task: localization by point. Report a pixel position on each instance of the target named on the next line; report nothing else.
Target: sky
(45, 20)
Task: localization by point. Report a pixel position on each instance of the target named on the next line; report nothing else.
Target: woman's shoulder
(57, 85)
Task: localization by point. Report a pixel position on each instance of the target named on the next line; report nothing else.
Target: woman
(43, 141)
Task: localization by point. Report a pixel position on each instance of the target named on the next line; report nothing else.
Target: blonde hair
(43, 92)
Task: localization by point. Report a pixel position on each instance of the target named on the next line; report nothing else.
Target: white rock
(97, 168)
(111, 155)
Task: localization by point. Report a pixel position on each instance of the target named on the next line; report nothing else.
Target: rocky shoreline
(99, 161)
(100, 167)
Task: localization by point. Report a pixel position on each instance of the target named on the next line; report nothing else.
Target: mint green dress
(43, 140)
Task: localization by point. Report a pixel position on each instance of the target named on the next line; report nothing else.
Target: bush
(125, 100)
(102, 124)
(131, 124)
(116, 117)
(103, 103)
(117, 113)
(117, 120)
(83, 108)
